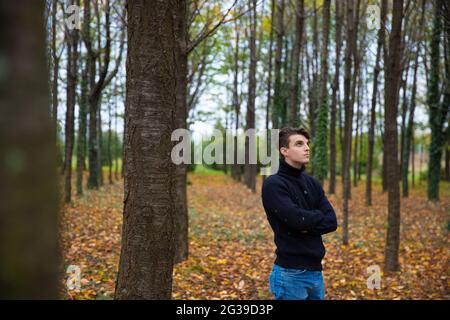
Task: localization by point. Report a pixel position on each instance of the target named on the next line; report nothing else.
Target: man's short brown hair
(285, 133)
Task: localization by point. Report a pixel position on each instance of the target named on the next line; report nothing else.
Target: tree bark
(146, 261)
(278, 87)
(392, 78)
(72, 60)
(410, 124)
(335, 88)
(320, 156)
(181, 112)
(251, 169)
(294, 81)
(351, 39)
(371, 134)
(28, 180)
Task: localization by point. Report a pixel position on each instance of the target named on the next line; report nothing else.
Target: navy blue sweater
(299, 213)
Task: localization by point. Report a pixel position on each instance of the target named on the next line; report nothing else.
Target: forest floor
(232, 251)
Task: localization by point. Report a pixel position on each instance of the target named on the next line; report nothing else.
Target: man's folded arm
(277, 200)
(329, 222)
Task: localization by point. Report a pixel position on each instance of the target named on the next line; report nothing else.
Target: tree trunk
(28, 179)
(335, 87)
(181, 112)
(320, 157)
(371, 134)
(82, 125)
(236, 101)
(269, 71)
(358, 120)
(146, 261)
(278, 87)
(351, 39)
(116, 142)
(294, 81)
(392, 78)
(109, 144)
(438, 109)
(72, 57)
(410, 125)
(251, 169)
(55, 59)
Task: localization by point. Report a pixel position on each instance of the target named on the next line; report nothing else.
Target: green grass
(201, 169)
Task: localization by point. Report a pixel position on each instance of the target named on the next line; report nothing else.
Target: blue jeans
(296, 284)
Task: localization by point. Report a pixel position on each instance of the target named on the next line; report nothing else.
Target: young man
(299, 214)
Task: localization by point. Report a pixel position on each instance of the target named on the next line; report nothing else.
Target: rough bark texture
(146, 261)
(28, 179)
(180, 191)
(392, 78)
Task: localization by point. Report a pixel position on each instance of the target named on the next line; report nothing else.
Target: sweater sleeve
(329, 222)
(277, 200)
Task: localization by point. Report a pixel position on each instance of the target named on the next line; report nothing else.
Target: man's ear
(283, 151)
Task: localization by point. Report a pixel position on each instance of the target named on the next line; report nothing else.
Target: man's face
(298, 151)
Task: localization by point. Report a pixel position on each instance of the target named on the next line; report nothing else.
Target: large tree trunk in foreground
(146, 261)
(182, 219)
(28, 179)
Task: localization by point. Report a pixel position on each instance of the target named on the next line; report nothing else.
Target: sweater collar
(289, 170)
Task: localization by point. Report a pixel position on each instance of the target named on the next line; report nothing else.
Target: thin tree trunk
(320, 157)
(371, 134)
(116, 142)
(410, 125)
(335, 87)
(72, 57)
(55, 59)
(392, 78)
(351, 39)
(278, 95)
(358, 120)
(82, 122)
(236, 100)
(294, 81)
(109, 145)
(269, 71)
(251, 169)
